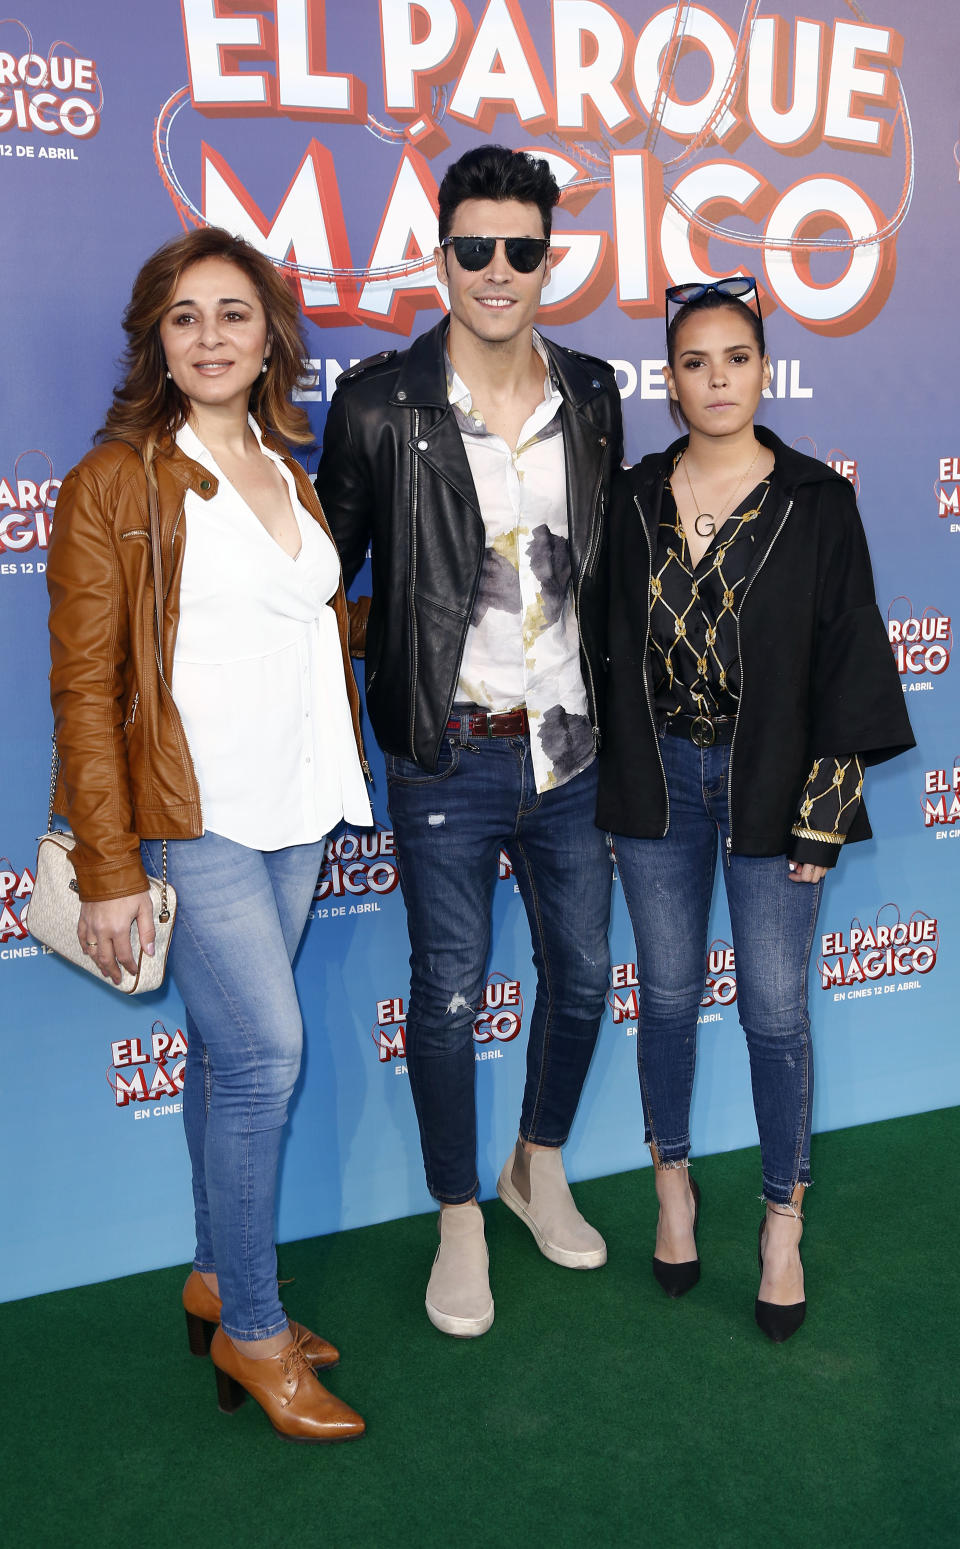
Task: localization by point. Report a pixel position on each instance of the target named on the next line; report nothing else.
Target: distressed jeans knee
(428, 1038)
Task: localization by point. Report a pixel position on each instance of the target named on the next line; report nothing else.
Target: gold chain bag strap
(53, 913)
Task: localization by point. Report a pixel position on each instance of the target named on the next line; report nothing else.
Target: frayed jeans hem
(782, 1193)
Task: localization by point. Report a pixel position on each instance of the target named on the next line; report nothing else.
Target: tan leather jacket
(126, 772)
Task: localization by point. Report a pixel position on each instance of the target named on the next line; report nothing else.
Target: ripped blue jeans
(449, 828)
(668, 885)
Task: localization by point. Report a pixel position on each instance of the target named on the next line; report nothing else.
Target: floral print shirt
(523, 643)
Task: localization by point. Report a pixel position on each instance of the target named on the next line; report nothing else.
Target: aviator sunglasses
(524, 254)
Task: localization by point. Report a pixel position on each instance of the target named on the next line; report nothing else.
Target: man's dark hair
(494, 172)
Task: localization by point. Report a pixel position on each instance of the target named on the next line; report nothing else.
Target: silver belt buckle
(703, 733)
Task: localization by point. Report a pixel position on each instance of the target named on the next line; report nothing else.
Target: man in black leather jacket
(477, 463)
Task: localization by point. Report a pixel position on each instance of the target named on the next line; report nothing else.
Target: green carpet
(595, 1411)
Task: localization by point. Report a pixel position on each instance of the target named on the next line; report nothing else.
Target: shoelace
(295, 1362)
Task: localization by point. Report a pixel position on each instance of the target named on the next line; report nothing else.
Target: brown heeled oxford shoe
(287, 1390)
(203, 1308)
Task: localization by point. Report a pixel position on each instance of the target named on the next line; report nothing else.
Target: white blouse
(258, 673)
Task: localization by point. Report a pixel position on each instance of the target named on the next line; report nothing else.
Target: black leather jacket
(394, 472)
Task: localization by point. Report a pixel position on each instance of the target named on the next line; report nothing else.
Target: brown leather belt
(491, 723)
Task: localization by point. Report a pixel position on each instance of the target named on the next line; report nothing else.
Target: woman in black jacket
(744, 701)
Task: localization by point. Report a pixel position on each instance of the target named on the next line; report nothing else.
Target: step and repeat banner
(813, 146)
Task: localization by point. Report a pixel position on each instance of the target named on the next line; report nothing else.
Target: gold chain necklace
(712, 523)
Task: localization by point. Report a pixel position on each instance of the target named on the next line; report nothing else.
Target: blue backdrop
(817, 152)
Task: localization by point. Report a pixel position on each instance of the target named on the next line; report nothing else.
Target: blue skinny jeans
(240, 916)
(668, 884)
(449, 828)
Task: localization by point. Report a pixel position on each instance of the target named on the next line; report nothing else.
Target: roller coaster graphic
(594, 163)
(60, 43)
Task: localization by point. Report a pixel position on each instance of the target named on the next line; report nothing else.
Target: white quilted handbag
(53, 914)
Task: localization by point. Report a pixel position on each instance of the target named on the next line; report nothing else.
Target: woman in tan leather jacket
(215, 710)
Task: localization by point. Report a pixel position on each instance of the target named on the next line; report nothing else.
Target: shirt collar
(460, 397)
(189, 442)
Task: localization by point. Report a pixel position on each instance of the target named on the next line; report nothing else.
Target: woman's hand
(104, 932)
(806, 872)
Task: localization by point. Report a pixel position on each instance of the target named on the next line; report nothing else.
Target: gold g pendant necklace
(710, 522)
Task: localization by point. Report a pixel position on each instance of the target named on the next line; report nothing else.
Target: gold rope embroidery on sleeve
(833, 796)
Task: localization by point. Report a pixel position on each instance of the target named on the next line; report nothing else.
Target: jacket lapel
(585, 451)
(437, 442)
(439, 446)
(648, 498)
(586, 448)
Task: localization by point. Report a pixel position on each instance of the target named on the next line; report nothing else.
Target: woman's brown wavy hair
(148, 406)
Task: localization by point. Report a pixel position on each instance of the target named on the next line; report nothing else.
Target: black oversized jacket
(394, 472)
(818, 675)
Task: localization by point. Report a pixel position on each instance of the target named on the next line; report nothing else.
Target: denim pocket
(403, 771)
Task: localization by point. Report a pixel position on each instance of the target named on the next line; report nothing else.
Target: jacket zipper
(733, 740)
(173, 535)
(133, 711)
(469, 615)
(467, 747)
(584, 569)
(646, 681)
(158, 646)
(363, 755)
(413, 579)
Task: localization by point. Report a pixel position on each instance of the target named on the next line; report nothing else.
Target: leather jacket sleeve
(89, 648)
(344, 488)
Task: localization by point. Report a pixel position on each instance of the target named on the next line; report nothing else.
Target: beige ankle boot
(458, 1294)
(534, 1186)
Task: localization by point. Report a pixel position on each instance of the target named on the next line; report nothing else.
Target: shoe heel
(199, 1334)
(230, 1395)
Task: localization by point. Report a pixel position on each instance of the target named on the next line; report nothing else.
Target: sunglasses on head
(737, 286)
(524, 254)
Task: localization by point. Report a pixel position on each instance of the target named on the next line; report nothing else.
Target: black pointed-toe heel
(777, 1322)
(677, 1279)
